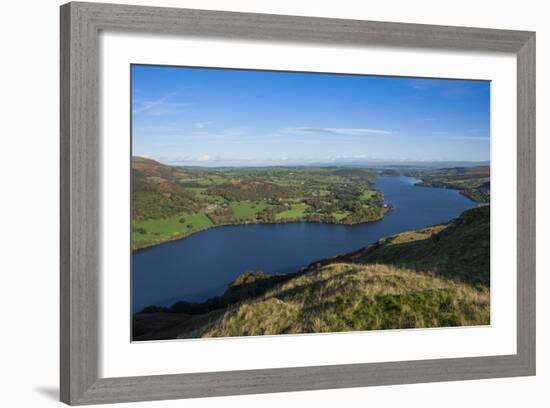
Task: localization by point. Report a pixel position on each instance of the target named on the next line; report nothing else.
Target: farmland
(171, 202)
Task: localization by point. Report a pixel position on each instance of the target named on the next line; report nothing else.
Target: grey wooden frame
(80, 189)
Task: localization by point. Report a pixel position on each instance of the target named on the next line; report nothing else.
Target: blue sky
(211, 117)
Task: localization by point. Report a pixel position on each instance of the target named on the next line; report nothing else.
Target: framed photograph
(261, 203)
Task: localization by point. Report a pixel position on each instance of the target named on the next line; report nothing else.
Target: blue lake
(202, 265)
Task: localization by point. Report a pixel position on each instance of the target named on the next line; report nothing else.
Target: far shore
(419, 183)
(248, 222)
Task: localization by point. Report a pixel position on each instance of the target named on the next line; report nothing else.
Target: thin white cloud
(202, 125)
(479, 139)
(158, 129)
(336, 131)
(159, 107)
(145, 105)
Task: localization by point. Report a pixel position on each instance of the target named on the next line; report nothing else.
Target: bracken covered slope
(155, 191)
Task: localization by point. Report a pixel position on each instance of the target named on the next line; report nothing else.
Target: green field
(368, 194)
(296, 211)
(197, 190)
(246, 210)
(151, 231)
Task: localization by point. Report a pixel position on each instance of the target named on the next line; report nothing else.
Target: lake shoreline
(418, 183)
(423, 183)
(230, 251)
(387, 209)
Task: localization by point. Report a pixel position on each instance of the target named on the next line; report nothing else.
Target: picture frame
(81, 24)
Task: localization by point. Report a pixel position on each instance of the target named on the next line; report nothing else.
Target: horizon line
(343, 162)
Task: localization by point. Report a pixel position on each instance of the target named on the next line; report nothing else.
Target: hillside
(434, 277)
(347, 297)
(156, 192)
(458, 250)
(473, 182)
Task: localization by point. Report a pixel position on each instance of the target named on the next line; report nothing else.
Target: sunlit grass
(294, 212)
(149, 231)
(347, 297)
(244, 210)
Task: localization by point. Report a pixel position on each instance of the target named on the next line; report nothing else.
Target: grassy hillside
(459, 250)
(156, 192)
(434, 277)
(347, 297)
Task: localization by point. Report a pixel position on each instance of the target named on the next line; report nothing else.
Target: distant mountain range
(338, 162)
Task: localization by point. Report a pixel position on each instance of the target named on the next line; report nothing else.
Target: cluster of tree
(253, 190)
(356, 173)
(473, 182)
(268, 214)
(221, 215)
(365, 214)
(139, 230)
(320, 217)
(481, 194)
(376, 199)
(346, 191)
(344, 200)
